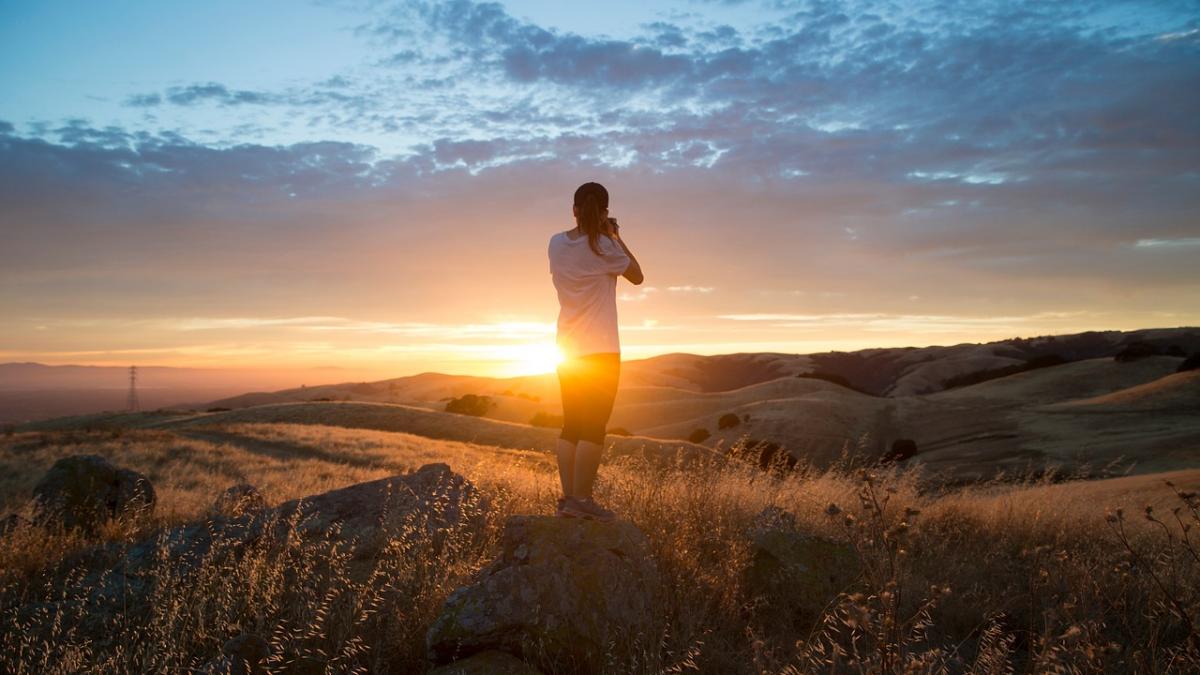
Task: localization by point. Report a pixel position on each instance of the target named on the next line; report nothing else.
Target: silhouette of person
(584, 264)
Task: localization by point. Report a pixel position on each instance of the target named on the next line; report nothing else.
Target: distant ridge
(895, 371)
(32, 391)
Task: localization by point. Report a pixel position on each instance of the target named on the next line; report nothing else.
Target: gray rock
(432, 499)
(85, 491)
(431, 502)
(239, 500)
(788, 567)
(561, 589)
(491, 662)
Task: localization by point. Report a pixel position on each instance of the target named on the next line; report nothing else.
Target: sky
(363, 190)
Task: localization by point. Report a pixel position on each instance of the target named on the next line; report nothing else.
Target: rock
(84, 491)
(788, 568)
(429, 505)
(561, 589)
(431, 502)
(239, 500)
(491, 662)
(433, 499)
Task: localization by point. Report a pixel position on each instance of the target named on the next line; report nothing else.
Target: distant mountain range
(32, 391)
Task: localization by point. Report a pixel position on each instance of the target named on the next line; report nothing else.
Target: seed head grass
(993, 578)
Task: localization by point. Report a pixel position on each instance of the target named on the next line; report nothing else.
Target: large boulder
(791, 569)
(85, 491)
(560, 591)
(432, 501)
(430, 505)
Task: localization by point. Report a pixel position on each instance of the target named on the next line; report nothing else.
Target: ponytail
(592, 201)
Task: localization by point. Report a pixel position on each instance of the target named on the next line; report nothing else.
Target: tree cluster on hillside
(545, 419)
(978, 376)
(470, 404)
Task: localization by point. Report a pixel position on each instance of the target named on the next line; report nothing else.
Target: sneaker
(585, 507)
(561, 512)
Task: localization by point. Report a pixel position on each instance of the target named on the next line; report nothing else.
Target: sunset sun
(533, 358)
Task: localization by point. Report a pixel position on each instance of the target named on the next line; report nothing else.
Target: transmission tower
(133, 402)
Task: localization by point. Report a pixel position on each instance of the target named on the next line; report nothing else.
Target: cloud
(1185, 242)
(990, 152)
(143, 100)
(642, 293)
(916, 323)
(832, 90)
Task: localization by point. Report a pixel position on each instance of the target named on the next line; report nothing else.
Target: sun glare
(533, 358)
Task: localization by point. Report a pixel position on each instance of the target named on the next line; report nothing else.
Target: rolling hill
(1074, 413)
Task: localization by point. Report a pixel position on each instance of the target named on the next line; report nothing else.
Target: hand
(611, 227)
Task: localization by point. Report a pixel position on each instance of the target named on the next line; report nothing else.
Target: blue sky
(312, 180)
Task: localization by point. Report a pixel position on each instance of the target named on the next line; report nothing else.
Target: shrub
(1190, 363)
(1175, 350)
(728, 421)
(699, 435)
(1135, 351)
(544, 419)
(619, 431)
(902, 449)
(219, 409)
(9, 430)
(470, 404)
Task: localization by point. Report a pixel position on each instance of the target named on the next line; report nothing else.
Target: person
(584, 265)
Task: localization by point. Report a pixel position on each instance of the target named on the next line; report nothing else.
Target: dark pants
(589, 386)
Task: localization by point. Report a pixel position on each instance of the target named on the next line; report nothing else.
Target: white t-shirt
(587, 293)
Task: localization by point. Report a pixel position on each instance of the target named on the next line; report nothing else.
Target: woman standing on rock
(584, 264)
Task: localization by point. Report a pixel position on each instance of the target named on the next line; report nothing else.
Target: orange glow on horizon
(534, 358)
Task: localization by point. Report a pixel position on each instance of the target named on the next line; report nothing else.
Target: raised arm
(634, 272)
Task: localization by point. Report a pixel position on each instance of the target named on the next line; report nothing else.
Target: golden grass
(1030, 577)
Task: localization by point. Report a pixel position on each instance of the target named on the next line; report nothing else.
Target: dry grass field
(1032, 576)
